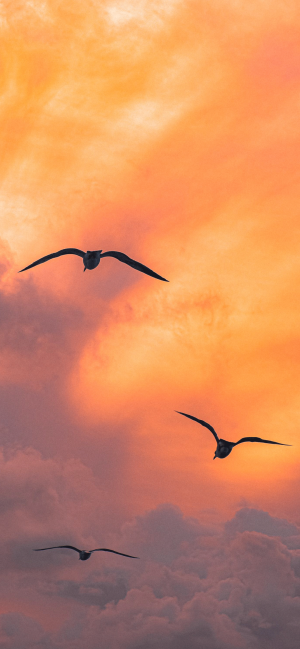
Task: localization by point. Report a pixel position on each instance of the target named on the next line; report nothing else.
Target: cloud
(162, 534)
(18, 630)
(151, 17)
(254, 520)
(169, 131)
(37, 330)
(45, 502)
(213, 590)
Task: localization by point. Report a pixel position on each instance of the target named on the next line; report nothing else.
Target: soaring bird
(91, 259)
(83, 554)
(224, 448)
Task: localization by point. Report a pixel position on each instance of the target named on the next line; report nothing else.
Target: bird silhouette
(83, 554)
(224, 448)
(91, 259)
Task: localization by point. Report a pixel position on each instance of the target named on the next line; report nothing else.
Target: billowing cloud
(213, 590)
(253, 520)
(169, 131)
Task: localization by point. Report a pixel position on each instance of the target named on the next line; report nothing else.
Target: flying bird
(83, 554)
(91, 259)
(224, 448)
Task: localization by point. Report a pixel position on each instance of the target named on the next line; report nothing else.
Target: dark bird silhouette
(83, 554)
(91, 259)
(224, 448)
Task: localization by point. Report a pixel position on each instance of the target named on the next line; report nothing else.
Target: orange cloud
(169, 132)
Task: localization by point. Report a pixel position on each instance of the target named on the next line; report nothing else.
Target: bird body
(84, 554)
(224, 447)
(91, 259)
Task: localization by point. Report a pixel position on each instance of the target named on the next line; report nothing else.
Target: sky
(169, 131)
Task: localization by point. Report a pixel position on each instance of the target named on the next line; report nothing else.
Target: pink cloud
(217, 588)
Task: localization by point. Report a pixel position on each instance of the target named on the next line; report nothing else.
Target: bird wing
(134, 264)
(65, 251)
(114, 552)
(53, 547)
(203, 423)
(258, 439)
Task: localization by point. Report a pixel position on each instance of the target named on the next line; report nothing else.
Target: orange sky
(169, 131)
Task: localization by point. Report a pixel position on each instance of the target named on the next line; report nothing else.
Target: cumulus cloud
(44, 501)
(255, 520)
(164, 533)
(170, 130)
(215, 590)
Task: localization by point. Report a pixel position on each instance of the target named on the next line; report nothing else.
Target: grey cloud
(41, 338)
(18, 630)
(247, 597)
(93, 590)
(255, 520)
(36, 329)
(164, 532)
(42, 502)
(193, 586)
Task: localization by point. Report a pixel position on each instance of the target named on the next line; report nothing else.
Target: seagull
(83, 554)
(91, 259)
(224, 448)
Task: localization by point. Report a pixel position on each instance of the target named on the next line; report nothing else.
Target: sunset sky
(169, 131)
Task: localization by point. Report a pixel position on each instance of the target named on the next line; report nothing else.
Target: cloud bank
(216, 587)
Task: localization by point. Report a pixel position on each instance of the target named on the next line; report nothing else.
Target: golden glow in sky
(169, 131)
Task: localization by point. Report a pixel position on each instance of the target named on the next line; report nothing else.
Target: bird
(83, 554)
(91, 259)
(224, 448)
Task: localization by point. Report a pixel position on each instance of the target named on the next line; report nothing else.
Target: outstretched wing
(203, 423)
(258, 439)
(65, 251)
(53, 547)
(114, 552)
(134, 264)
